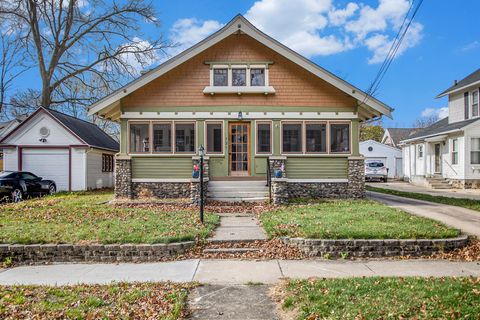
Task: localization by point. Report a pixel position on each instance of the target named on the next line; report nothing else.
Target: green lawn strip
(351, 219)
(384, 298)
(114, 301)
(79, 218)
(459, 202)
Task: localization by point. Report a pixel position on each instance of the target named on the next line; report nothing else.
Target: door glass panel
(239, 162)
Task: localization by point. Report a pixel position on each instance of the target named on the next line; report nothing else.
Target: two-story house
(447, 154)
(255, 106)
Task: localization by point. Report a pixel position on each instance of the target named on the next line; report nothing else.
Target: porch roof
(438, 128)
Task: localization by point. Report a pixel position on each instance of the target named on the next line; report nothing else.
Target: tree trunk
(46, 95)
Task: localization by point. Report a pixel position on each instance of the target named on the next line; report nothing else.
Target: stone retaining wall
(49, 253)
(363, 248)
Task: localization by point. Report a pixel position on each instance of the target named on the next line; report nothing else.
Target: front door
(438, 159)
(239, 148)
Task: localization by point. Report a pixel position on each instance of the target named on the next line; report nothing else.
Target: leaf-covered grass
(115, 301)
(351, 219)
(384, 298)
(459, 202)
(83, 218)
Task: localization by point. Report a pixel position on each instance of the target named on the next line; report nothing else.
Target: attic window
(239, 78)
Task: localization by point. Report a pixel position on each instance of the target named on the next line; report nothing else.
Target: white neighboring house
(390, 156)
(447, 154)
(74, 153)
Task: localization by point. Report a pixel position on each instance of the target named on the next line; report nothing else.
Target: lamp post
(201, 153)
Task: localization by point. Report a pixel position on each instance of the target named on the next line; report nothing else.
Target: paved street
(464, 219)
(231, 272)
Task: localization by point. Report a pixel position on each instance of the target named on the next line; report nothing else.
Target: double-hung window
(316, 137)
(214, 137)
(475, 151)
(475, 112)
(264, 137)
(455, 151)
(162, 137)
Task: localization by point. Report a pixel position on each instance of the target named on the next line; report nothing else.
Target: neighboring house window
(107, 162)
(466, 105)
(162, 137)
(420, 151)
(475, 103)
(185, 137)
(214, 139)
(139, 138)
(455, 151)
(239, 77)
(264, 137)
(292, 137)
(257, 77)
(475, 151)
(220, 77)
(340, 138)
(316, 137)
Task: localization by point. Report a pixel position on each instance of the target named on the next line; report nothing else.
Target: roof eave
(431, 135)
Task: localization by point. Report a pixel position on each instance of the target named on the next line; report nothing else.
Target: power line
(393, 50)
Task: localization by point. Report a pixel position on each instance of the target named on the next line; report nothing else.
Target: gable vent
(44, 132)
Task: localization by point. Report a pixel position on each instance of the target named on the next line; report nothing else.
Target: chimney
(455, 82)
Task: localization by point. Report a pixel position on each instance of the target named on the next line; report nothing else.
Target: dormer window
(239, 78)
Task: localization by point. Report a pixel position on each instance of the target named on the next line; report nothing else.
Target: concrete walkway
(231, 272)
(238, 227)
(473, 194)
(464, 219)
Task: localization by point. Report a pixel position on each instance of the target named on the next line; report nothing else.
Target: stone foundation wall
(375, 248)
(50, 253)
(353, 188)
(161, 189)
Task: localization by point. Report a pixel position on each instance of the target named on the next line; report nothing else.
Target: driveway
(473, 194)
(464, 219)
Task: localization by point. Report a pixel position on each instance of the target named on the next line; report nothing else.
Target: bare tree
(11, 63)
(424, 122)
(77, 40)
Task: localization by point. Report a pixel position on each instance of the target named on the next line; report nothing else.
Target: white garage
(390, 156)
(74, 153)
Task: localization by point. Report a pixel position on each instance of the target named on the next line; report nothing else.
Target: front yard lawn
(459, 202)
(384, 298)
(115, 301)
(83, 218)
(351, 219)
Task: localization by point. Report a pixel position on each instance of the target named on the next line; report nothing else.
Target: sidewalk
(461, 218)
(231, 272)
(473, 194)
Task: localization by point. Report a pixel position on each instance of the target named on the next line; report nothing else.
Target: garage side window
(107, 163)
(139, 137)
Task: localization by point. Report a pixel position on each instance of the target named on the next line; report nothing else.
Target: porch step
(238, 191)
(230, 250)
(437, 182)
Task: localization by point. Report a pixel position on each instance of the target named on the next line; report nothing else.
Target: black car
(18, 185)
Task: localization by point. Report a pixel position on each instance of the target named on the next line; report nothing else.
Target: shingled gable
(85, 131)
(109, 107)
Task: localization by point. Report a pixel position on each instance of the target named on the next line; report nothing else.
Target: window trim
(471, 150)
(349, 140)
(150, 132)
(247, 68)
(454, 152)
(269, 122)
(222, 123)
(328, 142)
(471, 102)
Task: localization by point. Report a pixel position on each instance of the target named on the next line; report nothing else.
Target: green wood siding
(317, 168)
(162, 168)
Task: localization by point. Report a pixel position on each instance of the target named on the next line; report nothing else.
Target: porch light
(240, 115)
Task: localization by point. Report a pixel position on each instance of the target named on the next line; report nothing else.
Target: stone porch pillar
(356, 177)
(123, 176)
(280, 193)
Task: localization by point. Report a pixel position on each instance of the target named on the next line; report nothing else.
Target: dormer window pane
(257, 77)
(220, 77)
(239, 77)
